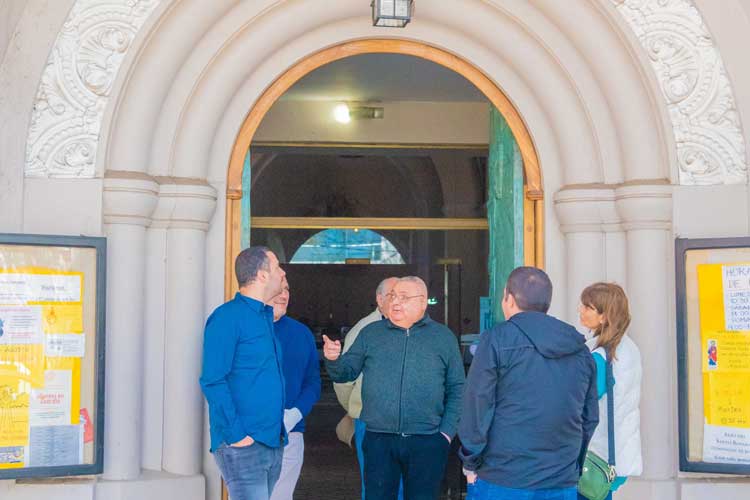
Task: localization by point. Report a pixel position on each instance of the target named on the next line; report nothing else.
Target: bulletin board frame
(682, 247)
(99, 245)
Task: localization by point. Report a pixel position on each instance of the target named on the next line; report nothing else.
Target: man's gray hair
(380, 290)
(415, 279)
(249, 262)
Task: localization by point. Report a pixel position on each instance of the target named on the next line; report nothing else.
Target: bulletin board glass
(713, 344)
(52, 300)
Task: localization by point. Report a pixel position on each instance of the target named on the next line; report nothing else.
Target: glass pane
(331, 297)
(336, 246)
(48, 354)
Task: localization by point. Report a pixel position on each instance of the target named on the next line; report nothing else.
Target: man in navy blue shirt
(302, 377)
(243, 380)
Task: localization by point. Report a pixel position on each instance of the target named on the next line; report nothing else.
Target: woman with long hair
(604, 311)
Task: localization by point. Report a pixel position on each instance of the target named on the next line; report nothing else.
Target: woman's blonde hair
(608, 299)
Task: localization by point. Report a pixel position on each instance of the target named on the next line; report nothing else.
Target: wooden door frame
(534, 192)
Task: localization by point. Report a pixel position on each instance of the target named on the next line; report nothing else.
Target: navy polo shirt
(242, 375)
(301, 366)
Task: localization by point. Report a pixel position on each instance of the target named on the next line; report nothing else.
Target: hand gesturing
(331, 349)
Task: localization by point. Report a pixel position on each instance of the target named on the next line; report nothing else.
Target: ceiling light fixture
(341, 113)
(391, 13)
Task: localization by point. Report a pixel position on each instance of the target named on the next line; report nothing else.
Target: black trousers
(419, 459)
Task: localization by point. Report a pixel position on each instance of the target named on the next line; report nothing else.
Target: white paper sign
(736, 281)
(51, 405)
(65, 345)
(55, 445)
(21, 325)
(16, 288)
(726, 445)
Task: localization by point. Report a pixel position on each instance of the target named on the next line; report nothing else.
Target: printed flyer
(724, 304)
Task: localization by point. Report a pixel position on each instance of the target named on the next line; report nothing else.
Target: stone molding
(614, 208)
(129, 198)
(585, 210)
(644, 206)
(138, 199)
(694, 83)
(184, 204)
(66, 120)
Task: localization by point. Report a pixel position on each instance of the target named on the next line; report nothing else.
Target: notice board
(713, 345)
(52, 300)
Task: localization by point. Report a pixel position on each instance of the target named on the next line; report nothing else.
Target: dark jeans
(482, 490)
(418, 459)
(251, 471)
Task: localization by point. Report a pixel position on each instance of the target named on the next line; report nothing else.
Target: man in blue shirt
(243, 380)
(302, 377)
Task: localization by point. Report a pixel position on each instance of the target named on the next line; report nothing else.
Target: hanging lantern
(391, 13)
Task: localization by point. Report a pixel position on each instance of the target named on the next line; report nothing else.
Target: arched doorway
(533, 216)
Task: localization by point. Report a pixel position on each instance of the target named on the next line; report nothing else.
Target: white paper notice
(51, 405)
(21, 325)
(65, 345)
(16, 288)
(726, 445)
(55, 445)
(736, 297)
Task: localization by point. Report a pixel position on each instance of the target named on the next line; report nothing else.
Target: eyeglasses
(401, 298)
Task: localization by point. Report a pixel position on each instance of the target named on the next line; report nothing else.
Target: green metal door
(504, 209)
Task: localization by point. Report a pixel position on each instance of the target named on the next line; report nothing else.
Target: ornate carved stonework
(708, 133)
(76, 84)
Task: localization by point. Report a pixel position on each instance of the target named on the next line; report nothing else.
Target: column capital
(129, 197)
(184, 203)
(585, 209)
(644, 205)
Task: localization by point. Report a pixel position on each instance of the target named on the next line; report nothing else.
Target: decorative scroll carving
(76, 84)
(708, 133)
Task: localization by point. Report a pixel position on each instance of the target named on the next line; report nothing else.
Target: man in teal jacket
(411, 394)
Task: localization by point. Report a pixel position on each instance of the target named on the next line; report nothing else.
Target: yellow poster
(36, 389)
(724, 305)
(15, 390)
(62, 318)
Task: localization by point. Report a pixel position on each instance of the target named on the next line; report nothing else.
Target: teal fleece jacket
(412, 378)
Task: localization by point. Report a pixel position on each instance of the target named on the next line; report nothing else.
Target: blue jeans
(359, 436)
(482, 490)
(251, 471)
(608, 497)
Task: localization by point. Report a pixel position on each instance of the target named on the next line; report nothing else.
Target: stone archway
(533, 177)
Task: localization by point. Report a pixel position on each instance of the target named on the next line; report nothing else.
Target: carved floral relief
(76, 84)
(693, 80)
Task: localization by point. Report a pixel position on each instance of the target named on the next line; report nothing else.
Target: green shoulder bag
(598, 474)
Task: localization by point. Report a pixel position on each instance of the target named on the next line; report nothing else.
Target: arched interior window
(335, 246)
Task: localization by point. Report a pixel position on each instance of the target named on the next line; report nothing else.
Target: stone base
(150, 486)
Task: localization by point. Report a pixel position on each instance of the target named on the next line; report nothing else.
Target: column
(584, 214)
(185, 207)
(646, 211)
(129, 199)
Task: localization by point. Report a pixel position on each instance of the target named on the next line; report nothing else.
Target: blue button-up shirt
(242, 374)
(301, 366)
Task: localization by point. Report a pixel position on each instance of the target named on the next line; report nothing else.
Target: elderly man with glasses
(411, 394)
